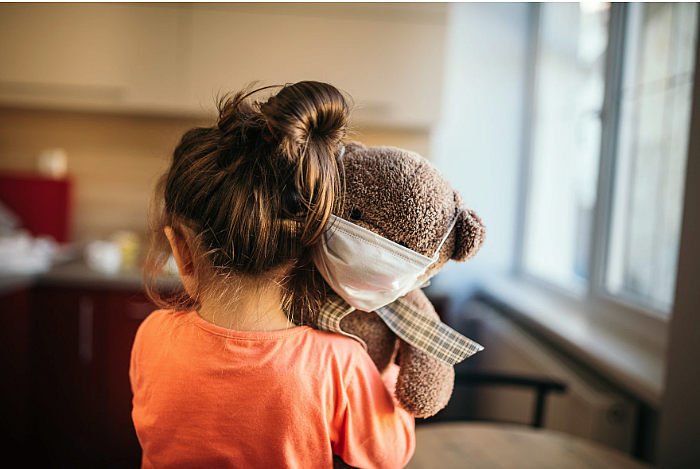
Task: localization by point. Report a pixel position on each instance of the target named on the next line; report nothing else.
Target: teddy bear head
(402, 196)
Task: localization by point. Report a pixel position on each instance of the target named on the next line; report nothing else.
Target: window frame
(628, 317)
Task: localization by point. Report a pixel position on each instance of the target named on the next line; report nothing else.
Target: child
(231, 374)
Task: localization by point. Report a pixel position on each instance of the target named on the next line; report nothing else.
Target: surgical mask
(367, 270)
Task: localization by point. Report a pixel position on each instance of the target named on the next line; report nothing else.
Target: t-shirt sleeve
(375, 431)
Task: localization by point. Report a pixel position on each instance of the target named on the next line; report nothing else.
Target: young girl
(231, 374)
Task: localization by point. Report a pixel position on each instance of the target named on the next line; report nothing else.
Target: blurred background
(565, 126)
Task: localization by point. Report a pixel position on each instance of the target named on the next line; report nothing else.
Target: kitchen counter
(76, 273)
(10, 284)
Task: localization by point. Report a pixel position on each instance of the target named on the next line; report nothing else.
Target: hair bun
(306, 112)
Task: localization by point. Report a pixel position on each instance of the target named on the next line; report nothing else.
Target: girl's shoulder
(160, 317)
(159, 323)
(343, 354)
(340, 343)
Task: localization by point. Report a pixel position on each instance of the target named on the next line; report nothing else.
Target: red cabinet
(43, 204)
(14, 368)
(126, 312)
(81, 405)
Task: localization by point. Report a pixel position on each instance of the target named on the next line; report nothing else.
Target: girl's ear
(470, 234)
(183, 259)
(181, 252)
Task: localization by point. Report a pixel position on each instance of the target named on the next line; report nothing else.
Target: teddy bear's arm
(425, 384)
(380, 340)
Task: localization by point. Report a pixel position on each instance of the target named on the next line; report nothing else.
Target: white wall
(478, 143)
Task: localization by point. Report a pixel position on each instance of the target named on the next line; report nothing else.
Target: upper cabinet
(177, 58)
(89, 55)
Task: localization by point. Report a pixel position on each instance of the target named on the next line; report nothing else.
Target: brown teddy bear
(401, 196)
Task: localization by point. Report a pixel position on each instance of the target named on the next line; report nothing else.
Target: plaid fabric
(425, 333)
(332, 312)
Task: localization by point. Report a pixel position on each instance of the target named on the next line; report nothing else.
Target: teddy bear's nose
(401, 243)
(355, 214)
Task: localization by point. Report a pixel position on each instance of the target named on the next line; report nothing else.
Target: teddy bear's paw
(425, 384)
(380, 340)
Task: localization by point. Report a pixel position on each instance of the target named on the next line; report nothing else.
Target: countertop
(77, 273)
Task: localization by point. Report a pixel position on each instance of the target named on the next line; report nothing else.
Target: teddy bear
(401, 196)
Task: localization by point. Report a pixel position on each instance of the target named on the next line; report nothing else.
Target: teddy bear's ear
(470, 233)
(353, 146)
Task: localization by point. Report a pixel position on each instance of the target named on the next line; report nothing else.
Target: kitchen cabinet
(81, 345)
(126, 312)
(14, 368)
(173, 59)
(393, 68)
(90, 55)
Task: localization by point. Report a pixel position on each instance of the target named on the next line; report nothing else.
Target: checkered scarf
(423, 332)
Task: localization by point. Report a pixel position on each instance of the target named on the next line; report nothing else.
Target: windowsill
(631, 363)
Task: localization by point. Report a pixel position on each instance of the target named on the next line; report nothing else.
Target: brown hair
(255, 193)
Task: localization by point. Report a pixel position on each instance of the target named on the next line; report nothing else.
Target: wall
(115, 160)
(479, 140)
(679, 429)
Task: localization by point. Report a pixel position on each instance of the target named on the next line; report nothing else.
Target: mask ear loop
(452, 225)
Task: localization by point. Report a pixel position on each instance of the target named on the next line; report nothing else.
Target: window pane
(565, 152)
(651, 155)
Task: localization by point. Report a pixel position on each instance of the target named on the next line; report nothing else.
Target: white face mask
(367, 270)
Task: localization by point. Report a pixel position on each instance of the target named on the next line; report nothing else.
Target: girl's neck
(265, 321)
(253, 306)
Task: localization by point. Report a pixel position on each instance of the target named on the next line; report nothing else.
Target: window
(566, 137)
(609, 140)
(655, 100)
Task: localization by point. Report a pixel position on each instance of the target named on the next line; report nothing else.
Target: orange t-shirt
(206, 396)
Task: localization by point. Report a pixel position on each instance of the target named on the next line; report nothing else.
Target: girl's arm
(375, 431)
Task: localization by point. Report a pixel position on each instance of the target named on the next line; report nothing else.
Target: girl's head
(250, 196)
